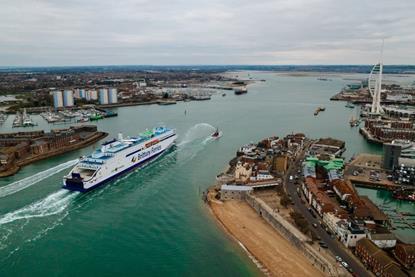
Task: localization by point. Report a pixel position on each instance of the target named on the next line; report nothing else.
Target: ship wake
(197, 132)
(52, 204)
(34, 179)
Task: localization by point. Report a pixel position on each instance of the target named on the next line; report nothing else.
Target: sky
(187, 32)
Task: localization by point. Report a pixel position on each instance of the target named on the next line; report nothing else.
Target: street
(333, 245)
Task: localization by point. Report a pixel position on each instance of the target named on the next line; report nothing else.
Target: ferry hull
(78, 185)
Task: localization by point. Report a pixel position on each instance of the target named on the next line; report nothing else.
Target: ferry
(118, 156)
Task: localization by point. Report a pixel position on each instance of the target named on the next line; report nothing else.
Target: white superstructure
(118, 156)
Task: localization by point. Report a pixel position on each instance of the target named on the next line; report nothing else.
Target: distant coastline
(388, 69)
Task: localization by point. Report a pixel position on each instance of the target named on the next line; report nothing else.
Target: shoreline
(226, 230)
(19, 164)
(272, 254)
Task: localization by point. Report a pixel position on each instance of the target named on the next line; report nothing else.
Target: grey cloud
(76, 32)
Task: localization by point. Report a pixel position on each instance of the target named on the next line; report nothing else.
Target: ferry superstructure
(118, 156)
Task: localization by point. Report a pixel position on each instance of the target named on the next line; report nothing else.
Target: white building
(243, 172)
(76, 93)
(112, 96)
(231, 192)
(262, 175)
(57, 99)
(330, 220)
(385, 240)
(93, 94)
(349, 233)
(82, 93)
(103, 96)
(68, 98)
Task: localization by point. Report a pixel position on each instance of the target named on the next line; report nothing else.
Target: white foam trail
(198, 131)
(30, 181)
(52, 204)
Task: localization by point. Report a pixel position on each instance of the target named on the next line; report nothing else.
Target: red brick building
(405, 254)
(377, 260)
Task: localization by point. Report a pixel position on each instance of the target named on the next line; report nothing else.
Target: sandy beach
(274, 252)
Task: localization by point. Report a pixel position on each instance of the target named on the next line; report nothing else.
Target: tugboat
(217, 134)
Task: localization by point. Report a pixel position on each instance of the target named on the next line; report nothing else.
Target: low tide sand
(264, 243)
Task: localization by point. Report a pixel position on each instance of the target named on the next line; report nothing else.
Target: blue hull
(78, 186)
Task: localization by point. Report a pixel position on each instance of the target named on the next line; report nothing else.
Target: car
(344, 264)
(314, 225)
(324, 245)
(339, 259)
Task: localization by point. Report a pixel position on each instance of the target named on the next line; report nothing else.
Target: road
(335, 246)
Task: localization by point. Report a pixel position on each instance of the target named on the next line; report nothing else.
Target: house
(405, 254)
(383, 240)
(330, 220)
(377, 260)
(243, 172)
(349, 233)
(234, 192)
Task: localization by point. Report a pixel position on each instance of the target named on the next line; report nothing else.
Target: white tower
(112, 96)
(68, 98)
(375, 84)
(103, 96)
(57, 99)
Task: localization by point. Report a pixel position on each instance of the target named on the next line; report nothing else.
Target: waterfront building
(383, 240)
(391, 154)
(331, 220)
(76, 93)
(112, 96)
(234, 192)
(397, 153)
(405, 254)
(82, 93)
(68, 98)
(400, 112)
(243, 171)
(93, 95)
(103, 96)
(377, 260)
(280, 164)
(33, 145)
(399, 97)
(57, 99)
(382, 131)
(349, 233)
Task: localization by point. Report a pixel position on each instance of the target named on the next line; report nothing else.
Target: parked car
(339, 259)
(345, 265)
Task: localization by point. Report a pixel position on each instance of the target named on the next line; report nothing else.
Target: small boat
(349, 105)
(223, 94)
(239, 91)
(217, 134)
(354, 122)
(318, 110)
